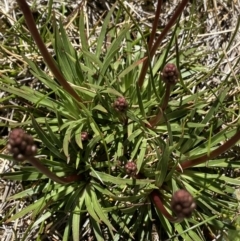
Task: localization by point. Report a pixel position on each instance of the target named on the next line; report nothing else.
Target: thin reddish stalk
(153, 122)
(155, 24)
(221, 149)
(171, 22)
(173, 19)
(155, 196)
(42, 48)
(166, 97)
(43, 169)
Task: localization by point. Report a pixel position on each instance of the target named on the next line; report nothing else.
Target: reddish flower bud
(21, 145)
(84, 136)
(170, 74)
(182, 203)
(131, 168)
(120, 104)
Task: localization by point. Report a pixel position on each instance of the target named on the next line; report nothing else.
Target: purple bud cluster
(182, 203)
(85, 136)
(131, 168)
(170, 74)
(120, 104)
(21, 145)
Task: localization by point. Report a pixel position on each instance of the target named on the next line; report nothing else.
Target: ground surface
(220, 19)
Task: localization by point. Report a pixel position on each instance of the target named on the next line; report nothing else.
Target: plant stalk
(173, 19)
(166, 97)
(155, 24)
(43, 169)
(155, 120)
(42, 48)
(155, 196)
(221, 149)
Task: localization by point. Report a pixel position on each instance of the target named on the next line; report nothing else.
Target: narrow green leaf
(230, 181)
(136, 147)
(112, 91)
(103, 32)
(46, 139)
(82, 31)
(23, 176)
(100, 108)
(119, 181)
(55, 139)
(30, 95)
(129, 69)
(216, 139)
(55, 195)
(97, 230)
(26, 193)
(100, 213)
(93, 58)
(66, 140)
(42, 75)
(116, 197)
(112, 50)
(76, 217)
(65, 54)
(181, 232)
(162, 165)
(213, 110)
(120, 149)
(225, 162)
(195, 125)
(140, 102)
(89, 205)
(141, 155)
(67, 229)
(135, 134)
(75, 198)
(119, 220)
(206, 181)
(42, 219)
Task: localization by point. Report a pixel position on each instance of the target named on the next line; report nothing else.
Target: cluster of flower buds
(182, 203)
(120, 104)
(131, 168)
(21, 145)
(85, 136)
(170, 74)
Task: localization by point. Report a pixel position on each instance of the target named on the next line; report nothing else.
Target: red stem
(155, 24)
(171, 22)
(221, 149)
(42, 48)
(156, 198)
(153, 122)
(43, 169)
(173, 19)
(166, 97)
